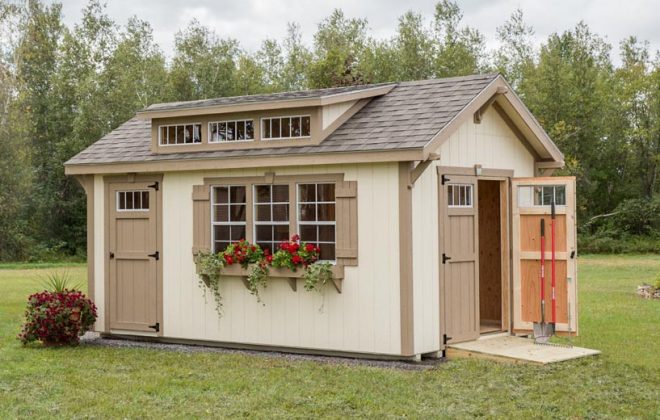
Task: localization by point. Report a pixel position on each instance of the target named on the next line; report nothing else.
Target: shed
(426, 196)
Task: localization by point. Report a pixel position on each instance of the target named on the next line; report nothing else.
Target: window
(285, 127)
(271, 215)
(240, 130)
(316, 217)
(228, 216)
(541, 195)
(459, 195)
(132, 200)
(171, 135)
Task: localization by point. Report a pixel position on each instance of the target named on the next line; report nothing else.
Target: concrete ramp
(516, 350)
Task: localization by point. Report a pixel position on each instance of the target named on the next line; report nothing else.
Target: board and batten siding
(364, 318)
(491, 144)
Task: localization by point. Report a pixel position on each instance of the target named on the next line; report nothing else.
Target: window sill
(285, 273)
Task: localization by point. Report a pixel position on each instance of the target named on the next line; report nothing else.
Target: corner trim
(405, 260)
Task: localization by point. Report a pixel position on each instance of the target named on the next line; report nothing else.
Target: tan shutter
(347, 219)
(201, 218)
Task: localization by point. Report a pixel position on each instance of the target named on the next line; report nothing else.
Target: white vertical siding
(99, 251)
(364, 318)
(491, 144)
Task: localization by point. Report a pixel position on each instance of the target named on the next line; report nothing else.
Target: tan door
(133, 257)
(459, 258)
(531, 200)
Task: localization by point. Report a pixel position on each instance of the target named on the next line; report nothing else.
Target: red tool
(542, 330)
(552, 270)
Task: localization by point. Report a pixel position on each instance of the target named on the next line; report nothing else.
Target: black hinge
(155, 186)
(156, 326)
(445, 338)
(155, 255)
(444, 179)
(572, 254)
(112, 255)
(445, 258)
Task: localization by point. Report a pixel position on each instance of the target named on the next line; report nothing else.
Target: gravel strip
(94, 339)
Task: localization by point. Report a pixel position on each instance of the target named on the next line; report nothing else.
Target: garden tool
(542, 330)
(553, 275)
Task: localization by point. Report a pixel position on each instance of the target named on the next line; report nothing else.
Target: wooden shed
(432, 196)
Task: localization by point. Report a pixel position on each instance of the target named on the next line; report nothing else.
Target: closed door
(459, 258)
(133, 257)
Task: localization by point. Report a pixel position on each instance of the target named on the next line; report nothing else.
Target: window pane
(327, 252)
(221, 233)
(280, 212)
(548, 193)
(163, 135)
(264, 233)
(171, 135)
(237, 232)
(275, 128)
(220, 246)
(286, 127)
(326, 192)
(262, 193)
(295, 127)
(197, 133)
(122, 200)
(240, 130)
(221, 195)
(326, 212)
(468, 195)
(560, 195)
(280, 193)
(249, 130)
(308, 212)
(262, 213)
(238, 213)
(145, 200)
(266, 129)
(237, 195)
(308, 233)
(213, 132)
(327, 233)
(222, 131)
(281, 233)
(221, 213)
(231, 130)
(129, 201)
(179, 134)
(538, 195)
(307, 192)
(305, 126)
(455, 196)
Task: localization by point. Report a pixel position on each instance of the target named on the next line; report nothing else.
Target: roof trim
(334, 98)
(538, 140)
(159, 166)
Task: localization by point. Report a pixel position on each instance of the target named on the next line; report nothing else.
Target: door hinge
(112, 255)
(155, 185)
(572, 254)
(444, 179)
(445, 258)
(155, 255)
(156, 326)
(445, 339)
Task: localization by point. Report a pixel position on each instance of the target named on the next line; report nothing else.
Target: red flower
(296, 259)
(269, 259)
(229, 260)
(295, 247)
(309, 248)
(295, 238)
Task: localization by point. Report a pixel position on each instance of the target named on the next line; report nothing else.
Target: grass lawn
(103, 382)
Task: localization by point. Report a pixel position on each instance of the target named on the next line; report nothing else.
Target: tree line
(62, 88)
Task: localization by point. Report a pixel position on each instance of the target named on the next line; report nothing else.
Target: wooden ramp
(506, 348)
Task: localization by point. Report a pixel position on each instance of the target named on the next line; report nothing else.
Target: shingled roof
(406, 118)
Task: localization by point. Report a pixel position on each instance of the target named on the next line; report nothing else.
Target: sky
(252, 21)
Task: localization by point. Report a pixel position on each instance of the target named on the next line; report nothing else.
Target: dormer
(292, 119)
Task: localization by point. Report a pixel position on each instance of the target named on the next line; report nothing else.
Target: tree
(515, 56)
(414, 48)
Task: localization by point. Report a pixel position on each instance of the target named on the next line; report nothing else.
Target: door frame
(129, 179)
(504, 176)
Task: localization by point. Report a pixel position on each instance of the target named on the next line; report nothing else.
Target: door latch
(445, 258)
(156, 326)
(112, 255)
(155, 255)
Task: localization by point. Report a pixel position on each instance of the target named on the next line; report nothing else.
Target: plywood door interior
(490, 257)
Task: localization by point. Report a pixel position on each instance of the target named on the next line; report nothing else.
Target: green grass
(103, 382)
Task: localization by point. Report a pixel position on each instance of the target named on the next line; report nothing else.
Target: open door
(531, 201)
(459, 279)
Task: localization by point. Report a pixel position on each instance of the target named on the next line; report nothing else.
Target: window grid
(133, 200)
(231, 131)
(459, 195)
(275, 235)
(544, 195)
(235, 228)
(287, 127)
(327, 246)
(180, 134)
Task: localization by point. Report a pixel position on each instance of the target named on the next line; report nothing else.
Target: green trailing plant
(209, 267)
(257, 279)
(317, 275)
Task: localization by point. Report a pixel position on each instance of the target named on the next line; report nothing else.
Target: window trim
(160, 140)
(261, 127)
(245, 120)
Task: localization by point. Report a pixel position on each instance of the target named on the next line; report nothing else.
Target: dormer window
(238, 130)
(290, 127)
(178, 134)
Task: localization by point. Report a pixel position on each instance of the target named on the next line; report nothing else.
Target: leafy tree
(515, 56)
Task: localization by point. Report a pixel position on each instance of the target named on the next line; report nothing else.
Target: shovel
(542, 330)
